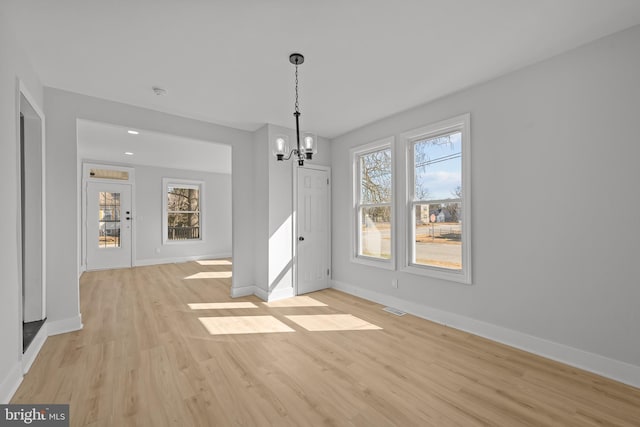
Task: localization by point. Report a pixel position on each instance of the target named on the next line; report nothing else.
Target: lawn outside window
(373, 214)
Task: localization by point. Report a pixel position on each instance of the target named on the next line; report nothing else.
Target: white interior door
(108, 225)
(313, 261)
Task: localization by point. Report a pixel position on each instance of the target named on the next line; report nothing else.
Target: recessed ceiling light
(128, 153)
(133, 132)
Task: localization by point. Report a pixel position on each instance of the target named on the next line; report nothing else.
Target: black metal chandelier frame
(304, 149)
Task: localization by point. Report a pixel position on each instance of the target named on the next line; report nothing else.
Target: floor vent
(394, 311)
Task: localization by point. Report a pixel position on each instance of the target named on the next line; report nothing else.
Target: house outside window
(182, 216)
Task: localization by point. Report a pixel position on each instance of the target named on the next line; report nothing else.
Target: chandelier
(305, 148)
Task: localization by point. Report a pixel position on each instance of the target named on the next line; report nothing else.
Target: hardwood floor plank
(145, 359)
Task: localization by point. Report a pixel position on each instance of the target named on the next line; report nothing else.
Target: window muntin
(374, 204)
(183, 215)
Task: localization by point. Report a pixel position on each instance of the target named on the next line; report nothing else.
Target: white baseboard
(10, 383)
(277, 294)
(242, 291)
(64, 325)
(261, 293)
(601, 365)
(30, 355)
(158, 261)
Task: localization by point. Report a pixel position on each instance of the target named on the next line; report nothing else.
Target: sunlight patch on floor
(301, 301)
(214, 262)
(220, 305)
(332, 322)
(243, 325)
(210, 275)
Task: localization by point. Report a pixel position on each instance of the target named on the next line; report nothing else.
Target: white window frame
(183, 183)
(456, 124)
(356, 153)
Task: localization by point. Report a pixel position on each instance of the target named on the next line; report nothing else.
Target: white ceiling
(227, 61)
(108, 143)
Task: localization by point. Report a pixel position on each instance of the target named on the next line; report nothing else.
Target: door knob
(301, 238)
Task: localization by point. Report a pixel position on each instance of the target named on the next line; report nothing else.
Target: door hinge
(327, 271)
(327, 181)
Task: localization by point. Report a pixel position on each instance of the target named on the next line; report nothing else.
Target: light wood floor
(144, 358)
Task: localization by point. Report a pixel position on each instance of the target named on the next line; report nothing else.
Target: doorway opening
(32, 216)
(179, 205)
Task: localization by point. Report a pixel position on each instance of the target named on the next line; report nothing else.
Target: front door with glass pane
(108, 225)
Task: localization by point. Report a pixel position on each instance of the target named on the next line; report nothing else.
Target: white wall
(260, 210)
(216, 217)
(62, 110)
(280, 226)
(13, 65)
(555, 210)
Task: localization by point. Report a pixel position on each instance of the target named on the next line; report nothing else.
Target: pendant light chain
(297, 106)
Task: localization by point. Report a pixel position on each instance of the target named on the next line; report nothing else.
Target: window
(108, 219)
(373, 201)
(182, 219)
(438, 203)
(98, 173)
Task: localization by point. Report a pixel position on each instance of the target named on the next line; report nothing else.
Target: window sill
(182, 242)
(387, 264)
(463, 276)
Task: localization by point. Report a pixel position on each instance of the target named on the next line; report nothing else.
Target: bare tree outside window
(374, 203)
(375, 170)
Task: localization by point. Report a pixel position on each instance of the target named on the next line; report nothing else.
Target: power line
(439, 159)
